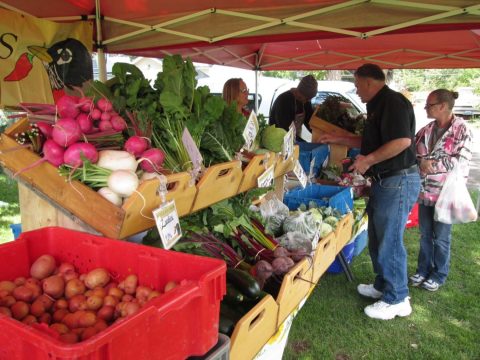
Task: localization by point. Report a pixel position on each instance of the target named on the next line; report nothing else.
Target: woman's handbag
(454, 204)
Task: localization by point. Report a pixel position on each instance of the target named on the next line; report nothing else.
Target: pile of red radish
(70, 139)
(69, 306)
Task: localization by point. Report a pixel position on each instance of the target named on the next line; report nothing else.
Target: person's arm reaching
(352, 141)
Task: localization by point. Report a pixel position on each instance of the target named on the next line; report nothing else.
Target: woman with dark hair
(235, 90)
(440, 145)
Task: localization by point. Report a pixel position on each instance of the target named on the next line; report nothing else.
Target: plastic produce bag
(454, 204)
(274, 212)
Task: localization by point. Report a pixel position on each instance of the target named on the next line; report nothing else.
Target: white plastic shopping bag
(454, 205)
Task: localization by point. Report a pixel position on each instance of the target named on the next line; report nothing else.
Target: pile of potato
(76, 306)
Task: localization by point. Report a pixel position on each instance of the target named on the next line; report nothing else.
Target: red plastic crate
(176, 325)
(412, 220)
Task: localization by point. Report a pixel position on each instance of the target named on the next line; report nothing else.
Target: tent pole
(101, 61)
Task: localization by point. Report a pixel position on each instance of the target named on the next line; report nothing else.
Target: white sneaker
(383, 311)
(369, 291)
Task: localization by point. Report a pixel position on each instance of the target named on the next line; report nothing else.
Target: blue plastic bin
(347, 250)
(308, 152)
(353, 152)
(16, 230)
(338, 197)
(360, 242)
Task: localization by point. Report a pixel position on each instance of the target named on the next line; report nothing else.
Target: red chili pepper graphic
(22, 68)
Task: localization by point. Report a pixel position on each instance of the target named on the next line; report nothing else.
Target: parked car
(467, 103)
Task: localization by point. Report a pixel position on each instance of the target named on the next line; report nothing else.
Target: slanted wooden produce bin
(49, 199)
(320, 127)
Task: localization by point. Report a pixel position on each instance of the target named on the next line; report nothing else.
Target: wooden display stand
(324, 256)
(320, 127)
(49, 199)
(343, 232)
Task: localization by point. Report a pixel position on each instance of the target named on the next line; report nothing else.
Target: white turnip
(111, 196)
(123, 182)
(117, 160)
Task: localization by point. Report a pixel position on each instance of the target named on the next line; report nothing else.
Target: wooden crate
(343, 232)
(254, 329)
(255, 167)
(295, 287)
(320, 127)
(324, 256)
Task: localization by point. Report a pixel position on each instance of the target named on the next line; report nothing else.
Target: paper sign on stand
(300, 174)
(288, 143)
(168, 223)
(266, 179)
(250, 132)
(192, 150)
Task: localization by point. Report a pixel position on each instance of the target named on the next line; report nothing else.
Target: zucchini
(233, 295)
(244, 282)
(229, 317)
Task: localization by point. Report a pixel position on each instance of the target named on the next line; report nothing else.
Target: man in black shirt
(387, 155)
(294, 106)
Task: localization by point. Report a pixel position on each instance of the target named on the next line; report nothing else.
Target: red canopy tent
(281, 34)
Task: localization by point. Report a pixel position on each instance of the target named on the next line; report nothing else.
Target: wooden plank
(38, 212)
(219, 182)
(256, 167)
(139, 206)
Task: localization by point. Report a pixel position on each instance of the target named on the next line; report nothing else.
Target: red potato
(131, 308)
(86, 318)
(7, 286)
(97, 277)
(54, 286)
(143, 292)
(127, 298)
(88, 333)
(74, 287)
(35, 286)
(37, 308)
(60, 304)
(100, 292)
(153, 295)
(19, 310)
(111, 300)
(8, 301)
(5, 311)
(19, 281)
(46, 301)
(45, 318)
(43, 267)
(100, 325)
(60, 328)
(106, 312)
(70, 320)
(69, 338)
(115, 291)
(29, 320)
(169, 286)
(23, 293)
(59, 314)
(4, 293)
(129, 285)
(77, 302)
(65, 267)
(69, 275)
(94, 302)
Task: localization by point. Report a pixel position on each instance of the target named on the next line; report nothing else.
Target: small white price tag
(288, 144)
(168, 224)
(250, 132)
(300, 174)
(266, 179)
(310, 173)
(192, 149)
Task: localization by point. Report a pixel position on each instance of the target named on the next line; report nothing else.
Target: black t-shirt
(286, 107)
(390, 116)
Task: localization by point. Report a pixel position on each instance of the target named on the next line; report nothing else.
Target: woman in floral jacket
(441, 144)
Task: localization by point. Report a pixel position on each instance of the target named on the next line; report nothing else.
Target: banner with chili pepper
(41, 59)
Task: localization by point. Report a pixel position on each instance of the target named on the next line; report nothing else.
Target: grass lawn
(444, 324)
(9, 209)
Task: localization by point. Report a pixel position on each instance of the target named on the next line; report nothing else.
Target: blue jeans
(391, 200)
(434, 255)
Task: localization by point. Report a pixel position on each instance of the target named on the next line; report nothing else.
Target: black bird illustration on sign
(68, 64)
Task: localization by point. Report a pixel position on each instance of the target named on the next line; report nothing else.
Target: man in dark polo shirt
(387, 155)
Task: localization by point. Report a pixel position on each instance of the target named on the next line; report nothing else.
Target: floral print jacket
(452, 148)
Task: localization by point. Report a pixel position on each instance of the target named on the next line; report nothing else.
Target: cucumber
(233, 295)
(244, 282)
(229, 317)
